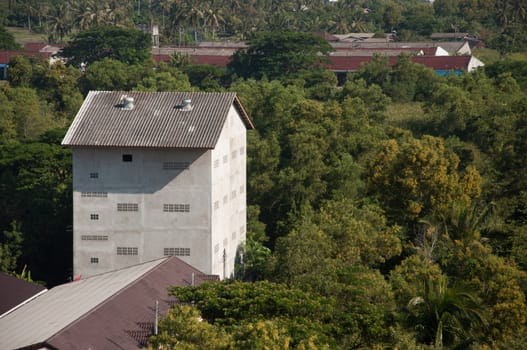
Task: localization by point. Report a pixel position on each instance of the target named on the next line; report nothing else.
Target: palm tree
(82, 12)
(213, 15)
(28, 7)
(446, 316)
(164, 7)
(59, 23)
(465, 223)
(194, 15)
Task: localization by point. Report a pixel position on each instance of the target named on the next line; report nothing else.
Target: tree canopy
(278, 55)
(129, 46)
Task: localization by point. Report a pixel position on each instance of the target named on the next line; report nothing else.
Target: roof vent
(127, 102)
(186, 105)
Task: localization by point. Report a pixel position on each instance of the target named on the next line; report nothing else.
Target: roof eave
(243, 113)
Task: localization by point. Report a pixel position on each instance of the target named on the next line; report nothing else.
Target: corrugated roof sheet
(41, 318)
(353, 63)
(156, 119)
(108, 311)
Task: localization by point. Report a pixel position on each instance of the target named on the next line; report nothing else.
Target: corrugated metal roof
(155, 121)
(353, 63)
(41, 318)
(107, 311)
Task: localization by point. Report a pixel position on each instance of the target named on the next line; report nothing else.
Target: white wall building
(158, 174)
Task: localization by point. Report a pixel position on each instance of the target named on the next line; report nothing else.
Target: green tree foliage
(404, 82)
(162, 78)
(24, 114)
(183, 328)
(111, 74)
(10, 248)
(242, 307)
(446, 315)
(7, 40)
(128, 46)
(36, 192)
(279, 55)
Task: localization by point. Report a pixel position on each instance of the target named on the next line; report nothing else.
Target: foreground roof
(157, 119)
(15, 292)
(108, 311)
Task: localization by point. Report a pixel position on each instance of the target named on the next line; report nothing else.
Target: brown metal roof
(114, 310)
(126, 320)
(156, 120)
(353, 63)
(15, 291)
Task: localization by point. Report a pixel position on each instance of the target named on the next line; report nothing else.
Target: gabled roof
(156, 119)
(15, 292)
(114, 310)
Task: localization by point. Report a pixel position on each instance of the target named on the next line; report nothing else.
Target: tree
(418, 177)
(29, 116)
(277, 55)
(447, 315)
(183, 328)
(20, 71)
(35, 189)
(7, 40)
(250, 311)
(110, 74)
(129, 46)
(59, 22)
(10, 248)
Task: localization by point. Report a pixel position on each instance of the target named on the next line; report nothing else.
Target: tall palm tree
(193, 15)
(213, 15)
(163, 6)
(82, 13)
(447, 316)
(59, 22)
(28, 6)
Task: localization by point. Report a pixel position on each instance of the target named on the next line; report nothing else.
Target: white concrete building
(158, 174)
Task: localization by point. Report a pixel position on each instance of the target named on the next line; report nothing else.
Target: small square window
(94, 175)
(127, 158)
(94, 216)
(94, 260)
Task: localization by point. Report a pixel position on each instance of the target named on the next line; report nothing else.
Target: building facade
(158, 174)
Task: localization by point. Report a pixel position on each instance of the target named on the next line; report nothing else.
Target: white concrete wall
(228, 194)
(150, 229)
(214, 186)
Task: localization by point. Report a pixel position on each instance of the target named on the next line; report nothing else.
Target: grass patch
(24, 36)
(409, 116)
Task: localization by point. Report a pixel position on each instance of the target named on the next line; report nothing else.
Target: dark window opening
(127, 157)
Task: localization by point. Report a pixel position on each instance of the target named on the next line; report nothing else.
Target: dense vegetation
(501, 23)
(390, 212)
